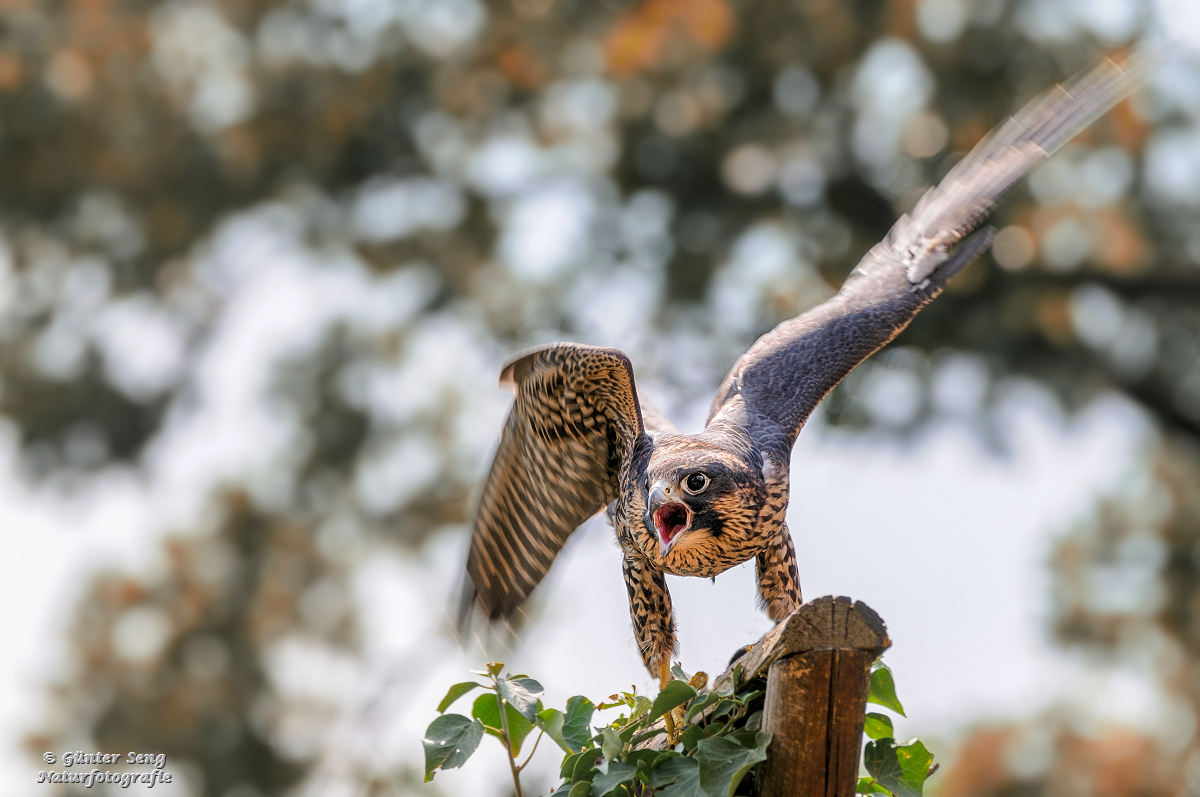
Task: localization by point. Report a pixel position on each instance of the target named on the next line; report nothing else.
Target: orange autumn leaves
(649, 35)
(641, 36)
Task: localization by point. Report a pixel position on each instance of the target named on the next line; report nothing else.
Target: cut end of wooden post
(826, 623)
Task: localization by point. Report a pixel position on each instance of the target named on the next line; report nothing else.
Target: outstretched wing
(775, 385)
(574, 422)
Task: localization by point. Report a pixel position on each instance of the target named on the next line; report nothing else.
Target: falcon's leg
(778, 582)
(653, 618)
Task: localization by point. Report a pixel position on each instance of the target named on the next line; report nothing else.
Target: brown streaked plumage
(580, 438)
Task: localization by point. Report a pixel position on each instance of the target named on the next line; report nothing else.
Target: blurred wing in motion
(787, 372)
(574, 421)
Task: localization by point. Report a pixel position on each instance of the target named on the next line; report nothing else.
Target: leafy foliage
(896, 770)
(689, 741)
(641, 752)
(724, 761)
(450, 741)
(878, 726)
(900, 769)
(883, 689)
(456, 691)
(674, 694)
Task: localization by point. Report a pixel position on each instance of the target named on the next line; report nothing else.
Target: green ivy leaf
(567, 770)
(736, 674)
(641, 704)
(610, 743)
(683, 775)
(628, 731)
(691, 737)
(577, 722)
(679, 674)
(883, 690)
(743, 737)
(531, 684)
(871, 786)
(724, 762)
(701, 703)
(618, 773)
(715, 729)
(663, 755)
(581, 789)
(487, 711)
(915, 761)
(550, 721)
(582, 766)
(449, 741)
(456, 691)
(520, 694)
(674, 694)
(723, 709)
(644, 758)
(878, 726)
(901, 769)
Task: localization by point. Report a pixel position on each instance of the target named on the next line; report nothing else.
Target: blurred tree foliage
(671, 177)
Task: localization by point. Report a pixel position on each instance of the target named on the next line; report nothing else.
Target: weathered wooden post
(818, 666)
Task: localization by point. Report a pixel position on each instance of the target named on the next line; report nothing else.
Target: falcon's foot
(652, 615)
(778, 582)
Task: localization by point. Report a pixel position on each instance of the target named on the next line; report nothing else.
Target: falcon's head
(702, 503)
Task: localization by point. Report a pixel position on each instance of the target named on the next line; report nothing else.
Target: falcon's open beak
(670, 515)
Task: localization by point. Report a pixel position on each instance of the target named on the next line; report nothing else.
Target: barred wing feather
(574, 422)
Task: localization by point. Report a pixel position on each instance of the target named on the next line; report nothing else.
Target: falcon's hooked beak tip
(671, 516)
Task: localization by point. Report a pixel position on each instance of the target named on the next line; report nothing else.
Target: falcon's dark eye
(695, 483)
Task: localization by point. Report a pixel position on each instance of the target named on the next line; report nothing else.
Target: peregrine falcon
(580, 437)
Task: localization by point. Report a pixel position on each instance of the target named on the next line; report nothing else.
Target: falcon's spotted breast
(580, 438)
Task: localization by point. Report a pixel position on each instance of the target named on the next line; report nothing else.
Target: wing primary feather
(773, 388)
(975, 245)
(466, 606)
(946, 213)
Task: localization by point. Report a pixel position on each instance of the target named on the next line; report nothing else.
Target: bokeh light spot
(1014, 247)
(140, 634)
(749, 169)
